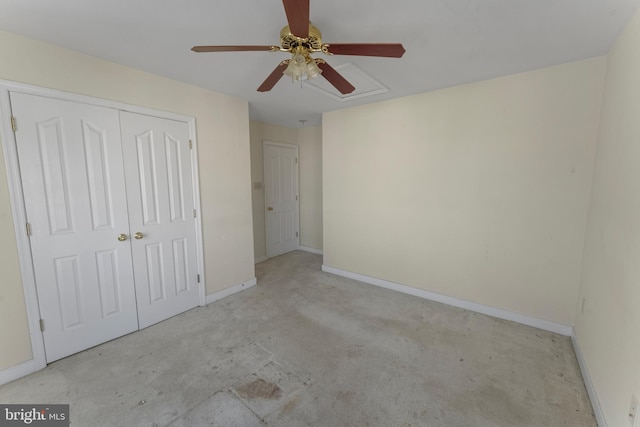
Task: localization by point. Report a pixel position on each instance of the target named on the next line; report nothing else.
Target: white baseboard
(258, 260)
(230, 291)
(18, 371)
(312, 250)
(591, 390)
(546, 325)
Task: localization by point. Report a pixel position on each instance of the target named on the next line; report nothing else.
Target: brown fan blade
(200, 49)
(333, 77)
(298, 17)
(274, 77)
(388, 50)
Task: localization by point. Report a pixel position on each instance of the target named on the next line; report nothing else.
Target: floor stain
(259, 389)
(346, 397)
(288, 407)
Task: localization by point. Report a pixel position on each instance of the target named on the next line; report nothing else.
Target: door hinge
(296, 160)
(296, 197)
(42, 325)
(28, 230)
(198, 278)
(195, 213)
(190, 145)
(14, 127)
(296, 234)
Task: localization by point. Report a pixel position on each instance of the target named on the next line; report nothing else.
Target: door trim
(297, 150)
(18, 210)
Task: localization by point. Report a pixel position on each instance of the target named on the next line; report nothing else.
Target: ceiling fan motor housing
(289, 41)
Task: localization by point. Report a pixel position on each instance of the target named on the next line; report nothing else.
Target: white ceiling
(448, 42)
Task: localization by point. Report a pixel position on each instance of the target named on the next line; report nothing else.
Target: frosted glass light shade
(313, 70)
(302, 66)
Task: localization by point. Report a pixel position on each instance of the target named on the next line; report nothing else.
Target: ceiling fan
(301, 39)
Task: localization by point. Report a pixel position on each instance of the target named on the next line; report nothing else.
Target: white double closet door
(109, 201)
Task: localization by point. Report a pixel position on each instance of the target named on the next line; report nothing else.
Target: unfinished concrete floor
(307, 348)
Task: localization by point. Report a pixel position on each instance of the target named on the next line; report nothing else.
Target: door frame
(264, 175)
(18, 209)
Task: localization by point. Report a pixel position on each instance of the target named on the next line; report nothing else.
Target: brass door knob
(122, 237)
(269, 208)
(138, 235)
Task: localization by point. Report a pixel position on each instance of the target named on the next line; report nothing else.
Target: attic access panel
(365, 84)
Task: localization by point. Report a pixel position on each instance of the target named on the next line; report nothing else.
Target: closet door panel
(157, 161)
(72, 175)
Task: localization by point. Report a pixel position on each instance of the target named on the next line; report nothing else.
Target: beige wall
(14, 329)
(309, 142)
(608, 328)
(479, 192)
(223, 143)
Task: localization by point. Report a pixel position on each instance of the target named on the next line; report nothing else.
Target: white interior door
(157, 160)
(74, 191)
(281, 198)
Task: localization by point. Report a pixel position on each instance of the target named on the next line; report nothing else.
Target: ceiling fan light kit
(301, 39)
(302, 65)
